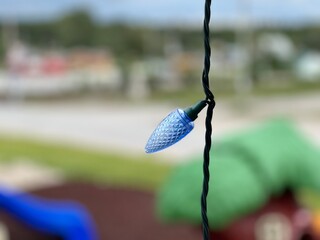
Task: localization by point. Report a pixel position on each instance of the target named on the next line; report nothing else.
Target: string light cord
(211, 104)
(179, 123)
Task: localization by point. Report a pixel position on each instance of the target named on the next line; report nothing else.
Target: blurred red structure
(280, 219)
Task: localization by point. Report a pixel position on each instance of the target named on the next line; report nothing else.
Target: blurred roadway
(126, 128)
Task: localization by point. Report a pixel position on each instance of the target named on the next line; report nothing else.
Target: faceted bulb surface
(171, 130)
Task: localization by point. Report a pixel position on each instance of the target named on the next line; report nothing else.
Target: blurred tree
(76, 29)
(2, 51)
(311, 37)
(305, 37)
(40, 34)
(130, 42)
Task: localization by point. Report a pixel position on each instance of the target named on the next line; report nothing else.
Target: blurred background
(83, 83)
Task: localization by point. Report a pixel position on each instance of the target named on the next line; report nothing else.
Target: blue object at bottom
(68, 220)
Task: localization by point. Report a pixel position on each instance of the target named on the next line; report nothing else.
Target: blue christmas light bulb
(173, 128)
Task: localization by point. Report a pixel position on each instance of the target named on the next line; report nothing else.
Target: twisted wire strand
(206, 172)
(211, 104)
(207, 48)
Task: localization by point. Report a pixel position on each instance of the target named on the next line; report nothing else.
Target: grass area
(194, 93)
(288, 88)
(88, 165)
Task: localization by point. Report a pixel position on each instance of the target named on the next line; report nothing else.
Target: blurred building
(45, 72)
(307, 66)
(277, 45)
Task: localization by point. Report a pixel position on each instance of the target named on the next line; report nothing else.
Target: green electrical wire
(211, 104)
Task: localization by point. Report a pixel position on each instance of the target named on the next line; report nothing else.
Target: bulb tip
(147, 150)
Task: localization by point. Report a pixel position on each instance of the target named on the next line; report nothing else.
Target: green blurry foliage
(76, 29)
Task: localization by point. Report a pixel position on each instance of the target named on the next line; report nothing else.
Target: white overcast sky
(165, 11)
